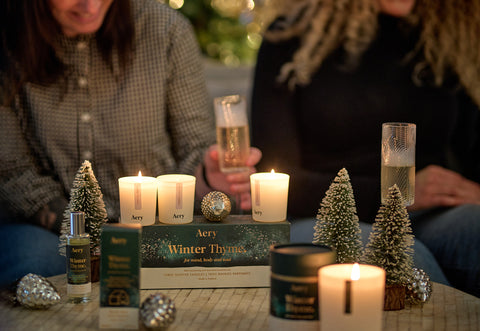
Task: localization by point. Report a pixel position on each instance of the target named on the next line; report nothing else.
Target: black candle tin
(294, 282)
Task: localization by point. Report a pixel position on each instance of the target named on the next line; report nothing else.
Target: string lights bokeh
(229, 31)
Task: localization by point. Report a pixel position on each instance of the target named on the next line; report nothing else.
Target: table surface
(239, 309)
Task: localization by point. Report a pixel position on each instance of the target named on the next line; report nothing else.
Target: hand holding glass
(398, 160)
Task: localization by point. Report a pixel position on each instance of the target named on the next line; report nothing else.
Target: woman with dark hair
(331, 72)
(30, 31)
(119, 83)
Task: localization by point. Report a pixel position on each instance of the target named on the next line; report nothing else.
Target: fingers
(51, 219)
(232, 183)
(245, 201)
(46, 218)
(444, 182)
(254, 156)
(238, 177)
(212, 152)
(437, 186)
(240, 188)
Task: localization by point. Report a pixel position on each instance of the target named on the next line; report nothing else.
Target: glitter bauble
(216, 206)
(36, 292)
(419, 288)
(157, 311)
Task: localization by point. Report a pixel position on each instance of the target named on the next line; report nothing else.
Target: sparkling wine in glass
(233, 136)
(398, 160)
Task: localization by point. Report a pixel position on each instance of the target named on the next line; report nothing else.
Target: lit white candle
(269, 196)
(351, 297)
(138, 199)
(176, 196)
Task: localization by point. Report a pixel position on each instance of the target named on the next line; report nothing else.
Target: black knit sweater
(336, 120)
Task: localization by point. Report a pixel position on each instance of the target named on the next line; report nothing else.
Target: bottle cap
(77, 223)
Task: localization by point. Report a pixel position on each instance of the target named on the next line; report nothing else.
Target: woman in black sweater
(329, 73)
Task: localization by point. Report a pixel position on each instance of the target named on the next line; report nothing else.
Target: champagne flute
(398, 160)
(233, 136)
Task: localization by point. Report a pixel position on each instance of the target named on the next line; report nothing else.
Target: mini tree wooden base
(94, 268)
(394, 297)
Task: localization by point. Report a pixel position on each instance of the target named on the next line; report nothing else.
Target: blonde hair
(449, 35)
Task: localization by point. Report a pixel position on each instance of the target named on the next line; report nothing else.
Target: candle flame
(139, 174)
(272, 172)
(355, 275)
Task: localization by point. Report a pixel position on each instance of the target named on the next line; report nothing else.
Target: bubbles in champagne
(233, 148)
(404, 177)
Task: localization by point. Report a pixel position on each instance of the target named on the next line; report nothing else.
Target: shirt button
(82, 82)
(85, 117)
(81, 45)
(87, 155)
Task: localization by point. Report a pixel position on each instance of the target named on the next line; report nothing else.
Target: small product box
(203, 254)
(120, 276)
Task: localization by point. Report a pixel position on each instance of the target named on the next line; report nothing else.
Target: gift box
(119, 276)
(205, 254)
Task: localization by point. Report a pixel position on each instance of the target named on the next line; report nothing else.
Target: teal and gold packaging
(204, 254)
(120, 276)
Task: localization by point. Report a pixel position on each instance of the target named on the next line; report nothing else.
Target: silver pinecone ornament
(216, 206)
(36, 292)
(158, 311)
(419, 287)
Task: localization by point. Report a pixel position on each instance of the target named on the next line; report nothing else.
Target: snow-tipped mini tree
(391, 240)
(85, 196)
(337, 221)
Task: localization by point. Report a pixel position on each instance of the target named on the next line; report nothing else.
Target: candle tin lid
(300, 259)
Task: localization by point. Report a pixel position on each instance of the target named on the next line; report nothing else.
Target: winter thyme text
(210, 248)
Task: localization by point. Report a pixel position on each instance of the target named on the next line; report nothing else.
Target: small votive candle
(176, 195)
(138, 199)
(269, 196)
(351, 297)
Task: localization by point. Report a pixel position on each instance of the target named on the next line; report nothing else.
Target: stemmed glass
(233, 135)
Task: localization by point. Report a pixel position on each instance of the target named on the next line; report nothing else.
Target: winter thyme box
(119, 276)
(204, 254)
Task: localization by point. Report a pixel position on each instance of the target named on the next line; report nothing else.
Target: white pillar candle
(351, 299)
(176, 195)
(138, 199)
(269, 196)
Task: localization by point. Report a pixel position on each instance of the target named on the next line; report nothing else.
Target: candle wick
(348, 297)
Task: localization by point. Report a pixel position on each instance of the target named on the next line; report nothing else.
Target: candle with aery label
(138, 199)
(176, 196)
(269, 196)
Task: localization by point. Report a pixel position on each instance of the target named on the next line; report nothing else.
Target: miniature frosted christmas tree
(337, 221)
(85, 196)
(391, 240)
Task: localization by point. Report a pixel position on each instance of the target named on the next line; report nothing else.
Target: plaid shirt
(156, 118)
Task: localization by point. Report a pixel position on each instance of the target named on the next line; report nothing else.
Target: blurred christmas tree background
(227, 30)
